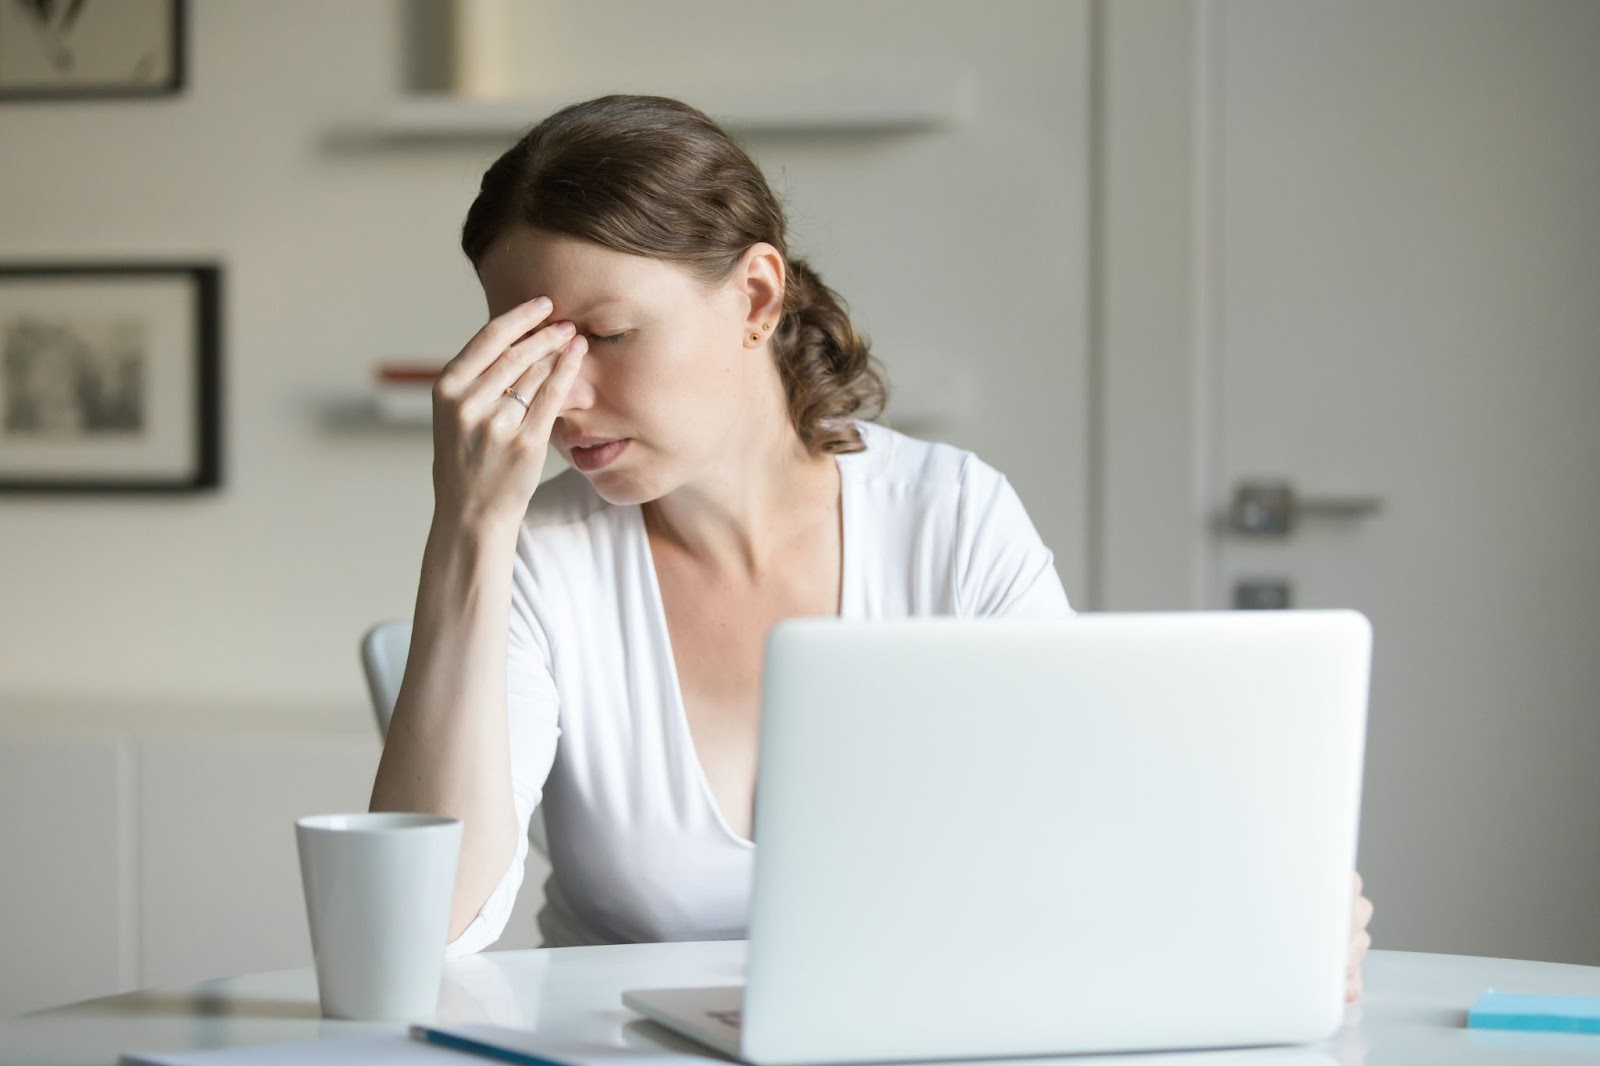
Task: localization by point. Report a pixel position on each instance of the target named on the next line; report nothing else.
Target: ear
(761, 277)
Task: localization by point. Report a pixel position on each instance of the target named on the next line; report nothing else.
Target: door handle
(1274, 509)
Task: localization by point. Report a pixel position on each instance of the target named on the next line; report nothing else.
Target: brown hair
(652, 176)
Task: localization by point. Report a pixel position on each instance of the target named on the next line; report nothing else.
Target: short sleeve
(532, 707)
(1002, 566)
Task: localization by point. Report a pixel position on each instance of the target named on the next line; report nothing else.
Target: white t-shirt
(639, 850)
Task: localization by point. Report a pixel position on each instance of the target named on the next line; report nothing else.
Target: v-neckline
(679, 711)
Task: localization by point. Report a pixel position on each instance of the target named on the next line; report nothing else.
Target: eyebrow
(592, 308)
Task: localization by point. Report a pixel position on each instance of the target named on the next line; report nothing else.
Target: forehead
(578, 276)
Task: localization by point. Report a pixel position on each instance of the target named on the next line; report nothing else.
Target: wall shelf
(901, 103)
(361, 415)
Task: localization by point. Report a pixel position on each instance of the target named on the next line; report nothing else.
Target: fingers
(552, 395)
(490, 387)
(498, 334)
(1359, 944)
(506, 415)
(1361, 909)
(1364, 911)
(1360, 939)
(545, 367)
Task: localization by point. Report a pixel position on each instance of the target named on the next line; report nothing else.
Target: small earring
(766, 325)
(755, 336)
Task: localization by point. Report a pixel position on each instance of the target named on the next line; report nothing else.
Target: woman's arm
(448, 749)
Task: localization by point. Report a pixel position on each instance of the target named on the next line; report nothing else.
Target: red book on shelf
(407, 373)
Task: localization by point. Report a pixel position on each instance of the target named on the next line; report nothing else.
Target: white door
(1394, 295)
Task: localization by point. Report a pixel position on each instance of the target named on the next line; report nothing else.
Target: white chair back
(383, 659)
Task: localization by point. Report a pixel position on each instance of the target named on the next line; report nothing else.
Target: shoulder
(926, 493)
(896, 459)
(958, 525)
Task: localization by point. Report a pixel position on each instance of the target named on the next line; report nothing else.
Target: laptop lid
(1003, 837)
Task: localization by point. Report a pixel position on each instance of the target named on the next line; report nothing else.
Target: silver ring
(517, 396)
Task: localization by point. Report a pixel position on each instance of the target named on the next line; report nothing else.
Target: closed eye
(614, 338)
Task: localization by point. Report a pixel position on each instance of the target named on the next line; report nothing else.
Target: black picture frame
(118, 61)
(122, 396)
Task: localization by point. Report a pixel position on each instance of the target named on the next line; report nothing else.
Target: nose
(581, 395)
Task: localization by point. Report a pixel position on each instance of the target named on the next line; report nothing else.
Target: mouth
(594, 453)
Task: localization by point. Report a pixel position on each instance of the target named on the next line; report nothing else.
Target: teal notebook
(1545, 1014)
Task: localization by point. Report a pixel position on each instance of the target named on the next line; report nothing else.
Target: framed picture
(109, 377)
(90, 48)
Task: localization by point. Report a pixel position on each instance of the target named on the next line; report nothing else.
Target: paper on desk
(400, 1049)
(335, 1051)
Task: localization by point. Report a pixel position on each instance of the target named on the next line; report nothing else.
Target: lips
(593, 453)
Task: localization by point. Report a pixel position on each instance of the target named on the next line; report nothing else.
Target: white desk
(1414, 1010)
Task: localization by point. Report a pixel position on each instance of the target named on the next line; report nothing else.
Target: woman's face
(667, 369)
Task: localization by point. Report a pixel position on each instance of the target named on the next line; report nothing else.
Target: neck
(740, 517)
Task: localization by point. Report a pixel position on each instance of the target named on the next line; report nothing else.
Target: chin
(636, 479)
(620, 490)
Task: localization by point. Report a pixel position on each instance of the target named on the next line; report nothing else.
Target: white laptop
(988, 838)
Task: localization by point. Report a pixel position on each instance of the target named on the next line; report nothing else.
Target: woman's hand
(1360, 941)
(488, 450)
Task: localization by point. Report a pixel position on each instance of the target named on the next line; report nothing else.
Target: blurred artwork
(67, 378)
(90, 47)
(110, 377)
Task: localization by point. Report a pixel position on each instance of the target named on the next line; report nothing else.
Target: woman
(647, 320)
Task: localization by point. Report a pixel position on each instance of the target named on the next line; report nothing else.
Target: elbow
(471, 938)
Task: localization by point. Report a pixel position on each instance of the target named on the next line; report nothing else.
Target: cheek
(681, 393)
(643, 395)
(673, 382)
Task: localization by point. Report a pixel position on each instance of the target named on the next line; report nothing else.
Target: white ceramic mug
(378, 894)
